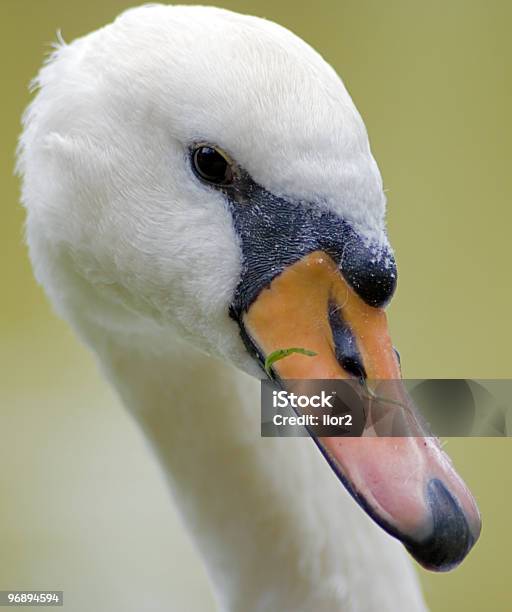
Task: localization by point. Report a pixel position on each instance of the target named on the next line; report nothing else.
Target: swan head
(191, 171)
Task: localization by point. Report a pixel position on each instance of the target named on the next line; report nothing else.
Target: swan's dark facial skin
(275, 233)
(309, 279)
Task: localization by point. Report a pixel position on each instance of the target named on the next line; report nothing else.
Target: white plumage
(143, 261)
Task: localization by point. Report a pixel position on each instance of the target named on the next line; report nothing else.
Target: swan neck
(271, 522)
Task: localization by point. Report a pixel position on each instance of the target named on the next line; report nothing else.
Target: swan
(199, 189)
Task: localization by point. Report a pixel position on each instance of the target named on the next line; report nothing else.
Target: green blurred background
(84, 507)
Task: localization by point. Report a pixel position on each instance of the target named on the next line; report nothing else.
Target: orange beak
(407, 484)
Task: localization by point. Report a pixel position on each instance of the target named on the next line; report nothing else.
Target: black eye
(211, 166)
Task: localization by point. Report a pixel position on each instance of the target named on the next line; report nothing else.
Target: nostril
(345, 347)
(398, 356)
(353, 366)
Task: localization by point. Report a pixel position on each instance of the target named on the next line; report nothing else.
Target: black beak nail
(451, 537)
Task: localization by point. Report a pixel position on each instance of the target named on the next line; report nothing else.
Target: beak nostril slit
(345, 346)
(397, 356)
(353, 367)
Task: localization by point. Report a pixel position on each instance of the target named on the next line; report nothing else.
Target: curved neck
(275, 528)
